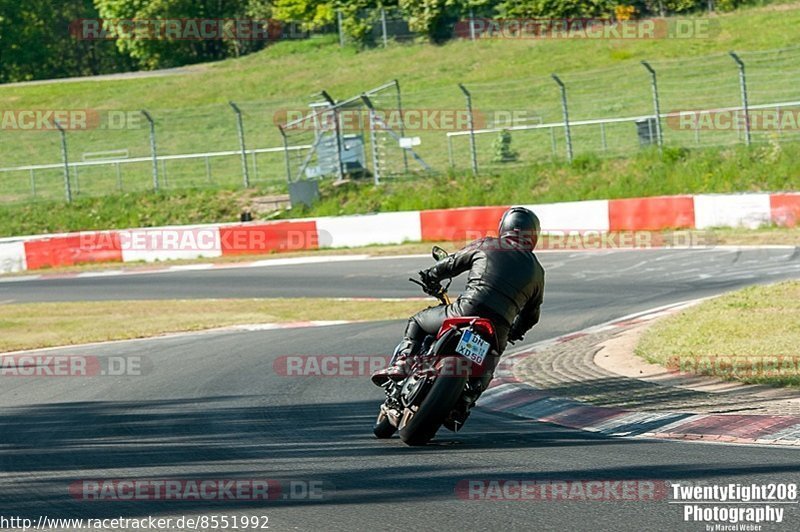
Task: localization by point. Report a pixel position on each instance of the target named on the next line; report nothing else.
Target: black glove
(431, 283)
(515, 334)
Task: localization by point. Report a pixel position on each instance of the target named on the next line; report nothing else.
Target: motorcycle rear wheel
(439, 402)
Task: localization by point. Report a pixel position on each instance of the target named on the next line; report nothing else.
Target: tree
(35, 42)
(160, 50)
(313, 14)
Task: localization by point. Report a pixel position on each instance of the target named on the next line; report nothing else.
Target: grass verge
(751, 336)
(35, 325)
(645, 173)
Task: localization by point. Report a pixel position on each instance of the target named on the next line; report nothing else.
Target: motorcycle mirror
(438, 253)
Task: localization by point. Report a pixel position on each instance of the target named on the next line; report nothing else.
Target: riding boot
(400, 365)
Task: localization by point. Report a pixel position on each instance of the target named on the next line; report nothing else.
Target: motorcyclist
(505, 285)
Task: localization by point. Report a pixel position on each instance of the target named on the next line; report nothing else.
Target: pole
(402, 123)
(240, 130)
(338, 133)
(471, 25)
(383, 27)
(67, 189)
(339, 26)
(603, 136)
(470, 123)
(743, 87)
(450, 151)
(286, 155)
(656, 104)
(153, 151)
(565, 110)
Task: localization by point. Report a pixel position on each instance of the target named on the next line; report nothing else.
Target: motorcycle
(445, 378)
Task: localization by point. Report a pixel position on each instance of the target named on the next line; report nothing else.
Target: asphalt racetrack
(213, 406)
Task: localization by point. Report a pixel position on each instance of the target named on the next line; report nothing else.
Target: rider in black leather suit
(505, 284)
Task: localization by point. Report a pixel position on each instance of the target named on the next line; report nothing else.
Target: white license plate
(473, 347)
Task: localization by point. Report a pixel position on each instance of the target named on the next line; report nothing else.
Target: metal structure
(153, 151)
(337, 134)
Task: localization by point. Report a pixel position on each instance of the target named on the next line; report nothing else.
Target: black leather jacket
(504, 277)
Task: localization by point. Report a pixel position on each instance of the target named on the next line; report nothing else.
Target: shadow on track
(45, 448)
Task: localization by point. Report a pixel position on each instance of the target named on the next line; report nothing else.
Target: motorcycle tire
(439, 402)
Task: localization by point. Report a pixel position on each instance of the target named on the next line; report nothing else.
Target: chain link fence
(715, 100)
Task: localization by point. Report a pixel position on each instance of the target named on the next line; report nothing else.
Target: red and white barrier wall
(189, 242)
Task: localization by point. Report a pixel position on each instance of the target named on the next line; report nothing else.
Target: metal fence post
(383, 27)
(153, 151)
(565, 110)
(337, 131)
(471, 25)
(603, 136)
(255, 165)
(656, 104)
(67, 187)
(240, 130)
(450, 151)
(743, 87)
(402, 122)
(339, 27)
(471, 125)
(286, 155)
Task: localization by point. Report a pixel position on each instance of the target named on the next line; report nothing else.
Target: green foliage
(501, 146)
(166, 52)
(35, 42)
(312, 13)
(557, 8)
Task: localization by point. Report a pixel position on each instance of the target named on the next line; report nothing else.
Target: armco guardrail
(187, 242)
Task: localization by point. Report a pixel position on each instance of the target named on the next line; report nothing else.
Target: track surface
(213, 406)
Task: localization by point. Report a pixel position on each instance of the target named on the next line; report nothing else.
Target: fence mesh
(611, 112)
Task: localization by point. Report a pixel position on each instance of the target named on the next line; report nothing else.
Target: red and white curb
(701, 211)
(511, 395)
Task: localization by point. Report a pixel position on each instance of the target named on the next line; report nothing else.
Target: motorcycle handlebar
(439, 294)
